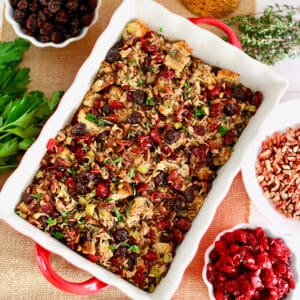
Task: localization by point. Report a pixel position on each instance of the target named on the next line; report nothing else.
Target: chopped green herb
(134, 248)
(185, 130)
(198, 112)
(118, 215)
(131, 172)
(85, 148)
(139, 82)
(37, 196)
(19, 213)
(106, 161)
(50, 221)
(116, 161)
(109, 199)
(112, 247)
(150, 101)
(186, 85)
(102, 122)
(222, 130)
(71, 171)
(151, 70)
(161, 29)
(83, 221)
(127, 77)
(91, 117)
(132, 62)
(58, 235)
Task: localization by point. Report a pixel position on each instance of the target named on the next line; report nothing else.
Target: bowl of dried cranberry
(51, 23)
(250, 262)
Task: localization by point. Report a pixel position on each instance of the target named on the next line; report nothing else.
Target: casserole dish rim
(147, 11)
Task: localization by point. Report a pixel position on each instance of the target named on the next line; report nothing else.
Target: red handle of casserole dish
(88, 287)
(217, 23)
(94, 285)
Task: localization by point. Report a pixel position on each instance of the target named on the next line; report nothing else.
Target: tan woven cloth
(54, 69)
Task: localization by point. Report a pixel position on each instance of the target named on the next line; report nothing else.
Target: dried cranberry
(47, 208)
(120, 235)
(93, 3)
(199, 130)
(175, 179)
(61, 17)
(57, 37)
(120, 251)
(33, 6)
(19, 15)
(139, 96)
(134, 118)
(171, 136)
(54, 5)
(161, 179)
(165, 237)
(238, 93)
(145, 141)
(155, 135)
(78, 129)
(146, 64)
(183, 224)
(215, 110)
(31, 22)
(22, 5)
(72, 5)
(177, 236)
(257, 98)
(46, 28)
(231, 109)
(103, 135)
(189, 193)
(167, 74)
(87, 19)
(27, 198)
(75, 27)
(163, 224)
(102, 190)
(167, 150)
(112, 55)
(156, 197)
(229, 138)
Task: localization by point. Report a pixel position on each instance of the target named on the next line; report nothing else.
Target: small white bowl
(294, 261)
(17, 28)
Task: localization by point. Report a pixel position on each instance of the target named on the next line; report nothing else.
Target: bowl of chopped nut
(250, 262)
(51, 23)
(271, 169)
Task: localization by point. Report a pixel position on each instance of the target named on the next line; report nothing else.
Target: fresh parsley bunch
(22, 113)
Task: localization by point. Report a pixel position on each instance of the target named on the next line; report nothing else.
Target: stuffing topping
(122, 183)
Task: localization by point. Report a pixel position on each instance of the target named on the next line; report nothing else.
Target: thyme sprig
(270, 36)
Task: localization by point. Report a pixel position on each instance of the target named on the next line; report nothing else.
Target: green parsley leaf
(222, 129)
(116, 161)
(50, 221)
(58, 235)
(37, 196)
(91, 117)
(132, 62)
(150, 101)
(198, 112)
(118, 215)
(134, 248)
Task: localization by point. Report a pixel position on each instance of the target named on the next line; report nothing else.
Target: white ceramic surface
(212, 50)
(284, 115)
(17, 29)
(270, 233)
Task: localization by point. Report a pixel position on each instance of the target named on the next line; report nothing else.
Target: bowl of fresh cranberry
(249, 262)
(51, 23)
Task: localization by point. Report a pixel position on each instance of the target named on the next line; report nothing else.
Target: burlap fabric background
(54, 69)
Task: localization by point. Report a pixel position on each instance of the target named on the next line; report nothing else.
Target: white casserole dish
(209, 48)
